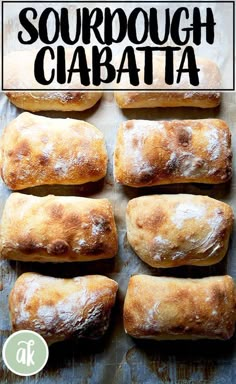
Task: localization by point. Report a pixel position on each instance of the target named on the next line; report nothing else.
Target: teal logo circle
(25, 353)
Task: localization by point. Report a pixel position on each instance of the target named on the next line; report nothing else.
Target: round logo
(25, 353)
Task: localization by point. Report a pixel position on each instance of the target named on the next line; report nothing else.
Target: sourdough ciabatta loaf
(22, 77)
(180, 151)
(57, 229)
(167, 308)
(60, 309)
(172, 230)
(54, 101)
(37, 150)
(209, 78)
(141, 99)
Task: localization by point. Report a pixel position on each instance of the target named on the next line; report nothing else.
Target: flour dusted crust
(37, 150)
(132, 99)
(57, 229)
(167, 308)
(179, 151)
(59, 308)
(54, 100)
(22, 77)
(173, 230)
(209, 77)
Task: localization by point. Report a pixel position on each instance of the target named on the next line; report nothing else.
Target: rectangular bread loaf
(54, 100)
(180, 151)
(19, 75)
(167, 308)
(37, 150)
(142, 99)
(60, 309)
(172, 230)
(57, 229)
(171, 95)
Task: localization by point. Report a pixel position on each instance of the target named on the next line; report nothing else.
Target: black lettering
(39, 66)
(192, 66)
(61, 65)
(97, 64)
(87, 25)
(169, 66)
(29, 27)
(132, 26)
(154, 26)
(80, 56)
(131, 69)
(148, 63)
(198, 24)
(175, 27)
(43, 30)
(108, 27)
(65, 27)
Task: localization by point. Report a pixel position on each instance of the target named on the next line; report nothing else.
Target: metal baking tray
(117, 358)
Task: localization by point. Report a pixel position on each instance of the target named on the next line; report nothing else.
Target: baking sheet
(117, 358)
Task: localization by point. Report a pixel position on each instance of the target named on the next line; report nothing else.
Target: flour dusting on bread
(39, 150)
(173, 230)
(187, 210)
(179, 151)
(179, 308)
(62, 308)
(83, 229)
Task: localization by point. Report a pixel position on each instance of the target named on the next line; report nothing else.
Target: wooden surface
(118, 358)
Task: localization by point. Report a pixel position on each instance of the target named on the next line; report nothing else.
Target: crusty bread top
(209, 75)
(194, 308)
(57, 228)
(38, 150)
(61, 308)
(19, 72)
(19, 75)
(180, 229)
(163, 152)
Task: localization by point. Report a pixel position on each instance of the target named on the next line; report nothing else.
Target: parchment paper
(117, 358)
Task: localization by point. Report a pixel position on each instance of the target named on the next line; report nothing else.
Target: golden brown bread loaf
(37, 150)
(57, 229)
(54, 101)
(23, 78)
(180, 151)
(172, 230)
(60, 309)
(132, 99)
(209, 78)
(167, 308)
